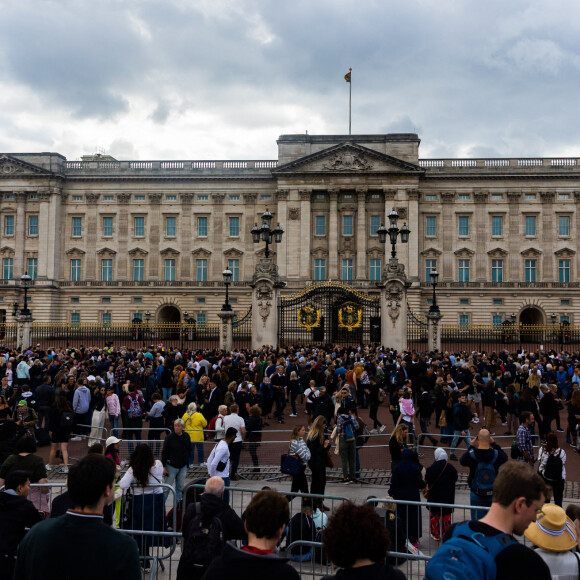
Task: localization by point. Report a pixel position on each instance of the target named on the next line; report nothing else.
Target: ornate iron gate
(329, 313)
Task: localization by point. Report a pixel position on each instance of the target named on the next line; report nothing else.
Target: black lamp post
(227, 274)
(266, 233)
(434, 275)
(26, 283)
(394, 232)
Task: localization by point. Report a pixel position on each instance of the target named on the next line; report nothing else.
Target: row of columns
(296, 213)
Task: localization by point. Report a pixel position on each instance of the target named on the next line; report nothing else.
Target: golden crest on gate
(309, 317)
(349, 317)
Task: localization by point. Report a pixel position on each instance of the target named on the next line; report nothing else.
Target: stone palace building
(109, 240)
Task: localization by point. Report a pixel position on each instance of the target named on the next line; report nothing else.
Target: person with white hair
(196, 554)
(440, 479)
(556, 539)
(195, 423)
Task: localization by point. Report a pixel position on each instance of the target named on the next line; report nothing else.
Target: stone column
(216, 237)
(434, 331)
(413, 224)
(281, 217)
(55, 244)
(306, 266)
(20, 235)
(513, 272)
(546, 238)
(266, 286)
(480, 234)
(92, 225)
(44, 228)
(394, 306)
(361, 235)
(186, 227)
(122, 229)
(448, 233)
(155, 221)
(333, 235)
(226, 329)
(24, 331)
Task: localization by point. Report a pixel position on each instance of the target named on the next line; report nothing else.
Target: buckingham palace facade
(108, 240)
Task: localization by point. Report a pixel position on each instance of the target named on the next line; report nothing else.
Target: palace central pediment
(348, 158)
(10, 166)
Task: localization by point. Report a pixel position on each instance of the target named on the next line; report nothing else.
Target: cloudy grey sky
(222, 79)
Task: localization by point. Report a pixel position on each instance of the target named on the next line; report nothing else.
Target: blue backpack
(484, 476)
(467, 555)
(348, 431)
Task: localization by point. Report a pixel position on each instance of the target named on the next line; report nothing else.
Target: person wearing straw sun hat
(556, 539)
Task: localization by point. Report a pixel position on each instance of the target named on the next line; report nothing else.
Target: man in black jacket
(426, 409)
(16, 514)
(265, 519)
(461, 419)
(197, 547)
(175, 457)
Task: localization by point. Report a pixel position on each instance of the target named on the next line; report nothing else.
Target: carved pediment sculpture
(348, 160)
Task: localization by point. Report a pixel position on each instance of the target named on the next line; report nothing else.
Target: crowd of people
(181, 399)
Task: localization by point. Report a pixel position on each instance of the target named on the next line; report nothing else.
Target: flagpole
(349, 100)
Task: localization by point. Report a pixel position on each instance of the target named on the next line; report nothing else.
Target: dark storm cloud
(491, 78)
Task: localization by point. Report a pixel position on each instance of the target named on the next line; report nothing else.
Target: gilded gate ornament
(349, 317)
(309, 317)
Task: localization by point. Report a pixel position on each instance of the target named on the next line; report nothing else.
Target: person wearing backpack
(486, 549)
(133, 406)
(484, 457)
(207, 526)
(552, 468)
(344, 435)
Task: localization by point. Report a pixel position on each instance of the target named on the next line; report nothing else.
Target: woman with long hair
(60, 425)
(398, 442)
(299, 449)
(318, 444)
(195, 423)
(552, 466)
(144, 476)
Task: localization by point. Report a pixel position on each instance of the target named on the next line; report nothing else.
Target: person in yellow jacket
(195, 423)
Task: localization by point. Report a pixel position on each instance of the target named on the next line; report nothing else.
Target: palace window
(320, 269)
(564, 270)
(530, 267)
(497, 270)
(464, 270)
(8, 225)
(77, 227)
(138, 270)
(234, 267)
(75, 270)
(33, 225)
(201, 270)
(347, 269)
(375, 270)
(139, 227)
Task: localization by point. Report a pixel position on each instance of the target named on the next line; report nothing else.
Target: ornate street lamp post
(266, 233)
(394, 232)
(227, 275)
(434, 275)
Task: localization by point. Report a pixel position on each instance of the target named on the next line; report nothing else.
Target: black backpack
(203, 540)
(553, 468)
